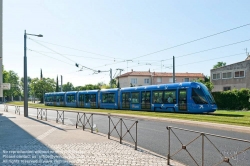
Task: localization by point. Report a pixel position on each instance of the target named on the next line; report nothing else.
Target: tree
(12, 78)
(219, 64)
(22, 85)
(207, 83)
(41, 75)
(68, 87)
(57, 86)
(38, 87)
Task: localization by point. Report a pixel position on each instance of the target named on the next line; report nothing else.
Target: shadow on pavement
(18, 147)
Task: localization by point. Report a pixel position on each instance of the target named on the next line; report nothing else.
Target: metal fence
(205, 140)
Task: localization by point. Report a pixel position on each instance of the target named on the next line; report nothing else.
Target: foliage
(40, 86)
(233, 100)
(12, 78)
(219, 64)
(22, 84)
(207, 83)
(67, 87)
(87, 87)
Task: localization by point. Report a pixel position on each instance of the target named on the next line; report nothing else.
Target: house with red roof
(142, 78)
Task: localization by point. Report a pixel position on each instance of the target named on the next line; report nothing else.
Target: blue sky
(106, 34)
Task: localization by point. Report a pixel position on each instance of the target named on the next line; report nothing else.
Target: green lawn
(241, 118)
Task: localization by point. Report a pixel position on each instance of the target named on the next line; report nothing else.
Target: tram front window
(198, 96)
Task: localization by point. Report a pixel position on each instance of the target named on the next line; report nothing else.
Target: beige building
(141, 78)
(234, 76)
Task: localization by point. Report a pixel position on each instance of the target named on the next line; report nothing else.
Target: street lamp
(25, 91)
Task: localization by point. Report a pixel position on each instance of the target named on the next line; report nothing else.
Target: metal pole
(121, 131)
(91, 123)
(136, 135)
(202, 160)
(110, 78)
(61, 82)
(173, 70)
(25, 92)
(168, 145)
(109, 128)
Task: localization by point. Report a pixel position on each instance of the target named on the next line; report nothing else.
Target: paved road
(152, 135)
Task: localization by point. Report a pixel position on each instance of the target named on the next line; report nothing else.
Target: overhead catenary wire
(210, 49)
(62, 55)
(192, 41)
(78, 49)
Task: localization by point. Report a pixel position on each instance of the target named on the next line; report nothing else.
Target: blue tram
(189, 97)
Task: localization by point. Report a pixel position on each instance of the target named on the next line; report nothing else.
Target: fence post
(46, 114)
(83, 126)
(121, 131)
(202, 160)
(63, 118)
(168, 158)
(109, 128)
(92, 123)
(36, 113)
(77, 119)
(136, 135)
(56, 116)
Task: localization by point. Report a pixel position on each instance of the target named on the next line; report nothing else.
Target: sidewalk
(28, 141)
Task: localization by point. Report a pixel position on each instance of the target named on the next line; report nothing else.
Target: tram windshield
(198, 96)
(208, 95)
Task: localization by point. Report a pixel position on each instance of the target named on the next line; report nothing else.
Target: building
(141, 78)
(234, 76)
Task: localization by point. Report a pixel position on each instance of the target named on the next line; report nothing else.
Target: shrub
(233, 99)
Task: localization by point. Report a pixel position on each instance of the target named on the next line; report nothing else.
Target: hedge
(233, 99)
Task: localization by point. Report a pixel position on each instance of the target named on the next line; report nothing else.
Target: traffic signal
(77, 65)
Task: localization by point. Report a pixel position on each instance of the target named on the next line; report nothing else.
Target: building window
(226, 88)
(239, 74)
(158, 79)
(227, 75)
(133, 81)
(216, 76)
(146, 81)
(186, 79)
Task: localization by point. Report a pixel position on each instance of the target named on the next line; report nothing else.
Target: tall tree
(41, 75)
(68, 87)
(57, 85)
(219, 64)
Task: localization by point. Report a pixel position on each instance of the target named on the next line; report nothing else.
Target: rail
(122, 123)
(204, 136)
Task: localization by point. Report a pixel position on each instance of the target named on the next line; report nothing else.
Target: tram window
(87, 98)
(135, 97)
(59, 98)
(71, 99)
(169, 96)
(108, 98)
(198, 96)
(93, 98)
(125, 97)
(81, 97)
(145, 97)
(157, 96)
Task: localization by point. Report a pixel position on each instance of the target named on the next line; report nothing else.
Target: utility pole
(1, 50)
(246, 51)
(61, 82)
(110, 78)
(173, 70)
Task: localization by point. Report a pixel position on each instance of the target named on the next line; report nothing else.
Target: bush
(233, 99)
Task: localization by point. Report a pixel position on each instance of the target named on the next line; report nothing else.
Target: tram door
(182, 100)
(81, 100)
(125, 100)
(145, 100)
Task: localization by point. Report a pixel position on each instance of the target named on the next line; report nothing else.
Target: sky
(141, 35)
